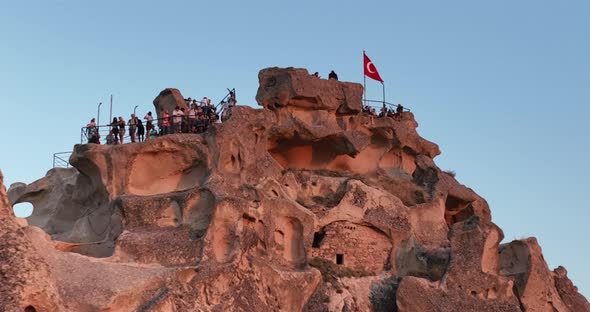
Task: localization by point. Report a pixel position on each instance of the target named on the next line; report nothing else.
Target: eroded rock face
(472, 281)
(534, 282)
(303, 205)
(568, 292)
(28, 283)
(71, 207)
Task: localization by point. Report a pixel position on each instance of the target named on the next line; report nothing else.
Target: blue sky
(501, 86)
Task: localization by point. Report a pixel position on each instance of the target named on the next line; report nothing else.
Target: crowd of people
(199, 116)
(385, 112)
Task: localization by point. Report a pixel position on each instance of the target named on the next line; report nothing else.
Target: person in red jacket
(166, 124)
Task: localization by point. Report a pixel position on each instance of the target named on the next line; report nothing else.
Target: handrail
(229, 93)
(391, 105)
(202, 122)
(59, 161)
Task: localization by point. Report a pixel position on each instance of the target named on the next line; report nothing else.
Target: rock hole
(30, 309)
(275, 193)
(463, 215)
(474, 293)
(454, 203)
(340, 259)
(279, 237)
(23, 210)
(249, 218)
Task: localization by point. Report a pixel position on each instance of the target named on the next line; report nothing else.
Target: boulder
(166, 101)
(295, 87)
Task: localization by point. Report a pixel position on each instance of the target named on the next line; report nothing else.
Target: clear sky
(502, 86)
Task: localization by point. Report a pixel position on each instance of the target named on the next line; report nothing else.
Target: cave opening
(317, 238)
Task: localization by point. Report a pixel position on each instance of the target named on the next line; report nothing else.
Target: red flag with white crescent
(370, 69)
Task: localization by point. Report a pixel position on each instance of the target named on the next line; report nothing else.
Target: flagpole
(364, 83)
(383, 84)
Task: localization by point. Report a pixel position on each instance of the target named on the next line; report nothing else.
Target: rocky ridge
(303, 205)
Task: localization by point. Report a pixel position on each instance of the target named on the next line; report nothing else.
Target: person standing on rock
(332, 75)
(177, 116)
(121, 129)
(92, 132)
(398, 112)
(149, 123)
(114, 135)
(192, 118)
(140, 130)
(205, 101)
(231, 101)
(166, 124)
(200, 119)
(132, 124)
(383, 113)
(91, 125)
(184, 121)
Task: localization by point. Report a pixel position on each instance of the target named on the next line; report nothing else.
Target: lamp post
(98, 115)
(111, 111)
(134, 110)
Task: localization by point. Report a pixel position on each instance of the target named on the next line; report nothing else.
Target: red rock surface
(303, 205)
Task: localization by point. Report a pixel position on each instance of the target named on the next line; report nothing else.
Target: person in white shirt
(149, 124)
(177, 116)
(92, 132)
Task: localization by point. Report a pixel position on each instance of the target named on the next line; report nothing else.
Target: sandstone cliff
(303, 205)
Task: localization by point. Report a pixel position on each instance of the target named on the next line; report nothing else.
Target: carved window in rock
(340, 259)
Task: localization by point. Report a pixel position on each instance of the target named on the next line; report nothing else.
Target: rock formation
(167, 100)
(303, 205)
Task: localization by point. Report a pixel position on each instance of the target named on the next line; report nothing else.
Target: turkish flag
(370, 69)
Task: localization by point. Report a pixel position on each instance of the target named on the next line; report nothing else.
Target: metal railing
(387, 104)
(61, 160)
(201, 124)
(106, 135)
(230, 96)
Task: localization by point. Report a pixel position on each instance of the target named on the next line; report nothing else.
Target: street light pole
(98, 115)
(111, 112)
(134, 110)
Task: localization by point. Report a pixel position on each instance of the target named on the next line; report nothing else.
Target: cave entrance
(317, 238)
